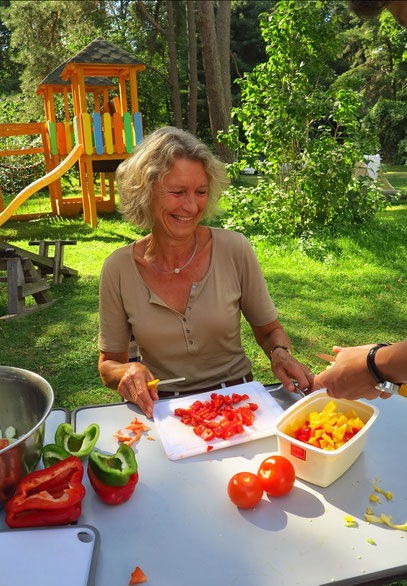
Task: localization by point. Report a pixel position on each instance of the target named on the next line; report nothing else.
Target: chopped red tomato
(137, 576)
(205, 416)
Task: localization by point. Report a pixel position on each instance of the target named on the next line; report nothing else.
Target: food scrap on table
(350, 521)
(385, 493)
(383, 519)
(203, 416)
(328, 429)
(136, 428)
(137, 576)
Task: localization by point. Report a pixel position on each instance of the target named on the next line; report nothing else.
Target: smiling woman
(181, 289)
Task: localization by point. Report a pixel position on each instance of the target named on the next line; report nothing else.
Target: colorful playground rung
(118, 134)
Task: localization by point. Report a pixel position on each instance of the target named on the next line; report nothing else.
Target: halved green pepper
(77, 444)
(113, 469)
(51, 454)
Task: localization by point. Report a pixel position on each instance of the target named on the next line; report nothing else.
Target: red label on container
(298, 452)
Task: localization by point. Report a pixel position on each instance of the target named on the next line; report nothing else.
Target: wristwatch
(388, 387)
(384, 386)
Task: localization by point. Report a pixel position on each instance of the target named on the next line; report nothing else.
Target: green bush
(304, 139)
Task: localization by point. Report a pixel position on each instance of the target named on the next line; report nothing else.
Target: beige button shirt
(204, 344)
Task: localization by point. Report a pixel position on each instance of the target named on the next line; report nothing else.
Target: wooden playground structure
(103, 132)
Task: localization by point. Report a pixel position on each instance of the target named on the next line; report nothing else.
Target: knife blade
(157, 382)
(326, 357)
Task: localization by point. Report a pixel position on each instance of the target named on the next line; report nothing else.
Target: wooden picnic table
(25, 274)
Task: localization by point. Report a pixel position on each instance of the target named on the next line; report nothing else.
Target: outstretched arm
(350, 378)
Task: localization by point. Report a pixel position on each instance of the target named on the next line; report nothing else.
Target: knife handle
(153, 383)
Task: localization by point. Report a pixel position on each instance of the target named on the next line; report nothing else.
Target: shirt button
(193, 286)
(188, 309)
(188, 331)
(184, 319)
(190, 341)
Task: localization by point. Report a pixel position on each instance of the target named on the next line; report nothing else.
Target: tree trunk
(223, 40)
(173, 69)
(192, 67)
(218, 115)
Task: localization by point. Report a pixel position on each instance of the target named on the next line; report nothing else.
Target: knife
(157, 382)
(327, 357)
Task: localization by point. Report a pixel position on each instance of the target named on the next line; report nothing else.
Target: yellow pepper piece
(386, 520)
(374, 498)
(329, 407)
(387, 494)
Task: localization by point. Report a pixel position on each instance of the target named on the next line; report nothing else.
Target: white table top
(181, 529)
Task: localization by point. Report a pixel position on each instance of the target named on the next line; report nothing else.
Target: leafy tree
(303, 137)
(374, 63)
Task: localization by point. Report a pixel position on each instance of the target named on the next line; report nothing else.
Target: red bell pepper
(48, 497)
(112, 495)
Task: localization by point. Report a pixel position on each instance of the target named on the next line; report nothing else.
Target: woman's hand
(133, 387)
(129, 378)
(286, 367)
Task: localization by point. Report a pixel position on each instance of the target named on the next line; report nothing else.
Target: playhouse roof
(54, 78)
(100, 51)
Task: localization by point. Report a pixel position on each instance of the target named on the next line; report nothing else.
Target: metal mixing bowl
(26, 400)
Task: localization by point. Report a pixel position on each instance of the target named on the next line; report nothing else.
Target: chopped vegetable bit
(328, 430)
(137, 576)
(385, 520)
(203, 416)
(350, 521)
(369, 511)
(387, 494)
(369, 540)
(10, 432)
(374, 498)
(135, 427)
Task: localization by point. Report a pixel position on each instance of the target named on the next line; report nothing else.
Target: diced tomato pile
(204, 416)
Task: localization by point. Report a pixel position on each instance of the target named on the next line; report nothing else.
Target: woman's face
(180, 198)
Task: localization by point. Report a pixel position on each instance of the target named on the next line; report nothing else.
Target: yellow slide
(41, 182)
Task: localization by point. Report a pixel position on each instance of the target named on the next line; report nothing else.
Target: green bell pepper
(114, 469)
(77, 444)
(51, 454)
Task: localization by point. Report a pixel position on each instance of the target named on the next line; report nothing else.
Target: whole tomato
(245, 490)
(277, 475)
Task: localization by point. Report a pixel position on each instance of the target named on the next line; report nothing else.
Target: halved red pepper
(48, 497)
(112, 495)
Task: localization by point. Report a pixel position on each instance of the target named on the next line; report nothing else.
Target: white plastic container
(315, 465)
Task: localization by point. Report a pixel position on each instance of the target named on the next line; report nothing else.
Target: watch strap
(371, 365)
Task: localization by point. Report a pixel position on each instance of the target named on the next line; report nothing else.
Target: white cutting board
(180, 441)
(59, 556)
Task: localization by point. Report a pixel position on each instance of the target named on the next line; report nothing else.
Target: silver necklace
(178, 270)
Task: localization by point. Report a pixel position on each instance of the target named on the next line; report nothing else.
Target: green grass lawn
(349, 289)
(397, 176)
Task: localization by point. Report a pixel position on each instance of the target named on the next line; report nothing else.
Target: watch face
(387, 387)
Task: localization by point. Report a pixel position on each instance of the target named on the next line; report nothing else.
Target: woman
(181, 289)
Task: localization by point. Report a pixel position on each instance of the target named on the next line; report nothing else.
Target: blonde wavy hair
(151, 160)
